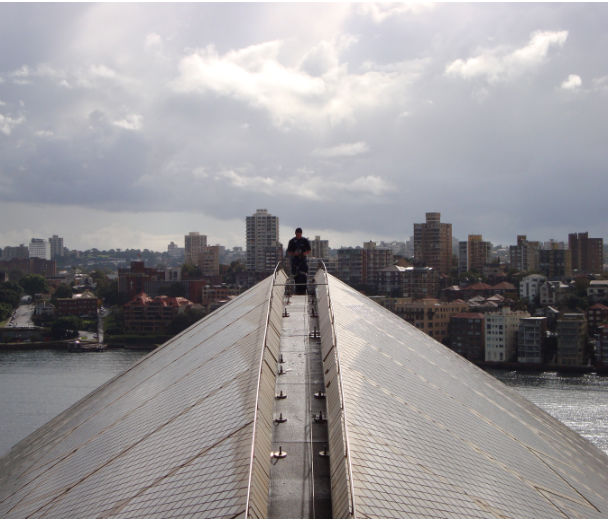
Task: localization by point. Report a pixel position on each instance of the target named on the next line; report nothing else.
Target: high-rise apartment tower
(587, 254)
(433, 243)
(263, 247)
(194, 244)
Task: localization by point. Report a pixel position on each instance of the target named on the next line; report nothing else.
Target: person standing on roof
(298, 248)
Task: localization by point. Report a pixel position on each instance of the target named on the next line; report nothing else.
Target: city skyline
(129, 125)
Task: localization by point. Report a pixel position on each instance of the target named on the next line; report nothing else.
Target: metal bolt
(278, 454)
(324, 453)
(281, 395)
(285, 314)
(281, 370)
(281, 359)
(280, 419)
(320, 395)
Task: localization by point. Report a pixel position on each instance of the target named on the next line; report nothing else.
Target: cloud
(380, 12)
(573, 82)
(307, 185)
(8, 123)
(343, 150)
(319, 91)
(500, 64)
(130, 122)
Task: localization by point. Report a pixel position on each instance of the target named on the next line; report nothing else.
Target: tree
(191, 272)
(65, 327)
(62, 291)
(10, 293)
(33, 284)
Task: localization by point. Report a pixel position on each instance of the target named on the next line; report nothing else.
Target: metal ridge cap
(349, 468)
(257, 393)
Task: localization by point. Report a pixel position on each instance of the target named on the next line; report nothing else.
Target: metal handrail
(257, 394)
(344, 427)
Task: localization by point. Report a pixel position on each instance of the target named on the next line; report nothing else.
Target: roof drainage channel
(299, 474)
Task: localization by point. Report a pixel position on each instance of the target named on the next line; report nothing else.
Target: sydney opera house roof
(319, 405)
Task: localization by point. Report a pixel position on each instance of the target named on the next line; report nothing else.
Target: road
(22, 316)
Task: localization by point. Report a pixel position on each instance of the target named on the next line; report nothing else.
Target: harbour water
(36, 385)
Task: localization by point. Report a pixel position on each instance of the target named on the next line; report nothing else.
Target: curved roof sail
(413, 429)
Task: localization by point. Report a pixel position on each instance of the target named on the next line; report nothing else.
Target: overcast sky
(130, 125)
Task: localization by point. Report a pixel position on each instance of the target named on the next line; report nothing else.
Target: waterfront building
(432, 315)
(501, 332)
(466, 335)
(524, 256)
(196, 428)
(532, 340)
(433, 243)
(56, 247)
(529, 286)
(602, 345)
(264, 250)
(587, 253)
(597, 314)
(194, 244)
(571, 339)
(144, 314)
(40, 249)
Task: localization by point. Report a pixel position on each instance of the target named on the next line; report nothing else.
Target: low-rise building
(571, 339)
(553, 292)
(531, 340)
(501, 334)
(529, 286)
(598, 290)
(466, 335)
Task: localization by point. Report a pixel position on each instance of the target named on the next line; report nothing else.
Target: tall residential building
(320, 248)
(264, 250)
(571, 339)
(56, 244)
(587, 254)
(473, 254)
(433, 243)
(194, 243)
(39, 248)
(501, 334)
(524, 256)
(363, 265)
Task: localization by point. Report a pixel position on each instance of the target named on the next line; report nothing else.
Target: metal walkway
(299, 475)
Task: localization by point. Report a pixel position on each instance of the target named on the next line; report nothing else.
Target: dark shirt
(298, 246)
